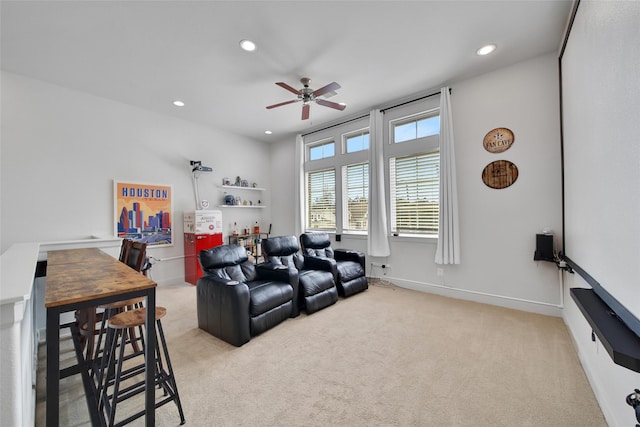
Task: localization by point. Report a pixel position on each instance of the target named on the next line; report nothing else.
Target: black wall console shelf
(622, 344)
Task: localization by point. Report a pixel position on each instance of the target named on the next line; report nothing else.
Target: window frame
(316, 144)
(406, 113)
(345, 199)
(358, 132)
(412, 118)
(338, 135)
(431, 159)
(307, 212)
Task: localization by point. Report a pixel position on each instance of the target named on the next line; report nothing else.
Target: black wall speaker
(544, 248)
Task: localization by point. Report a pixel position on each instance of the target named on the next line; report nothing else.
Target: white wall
(611, 383)
(498, 227)
(600, 115)
(61, 150)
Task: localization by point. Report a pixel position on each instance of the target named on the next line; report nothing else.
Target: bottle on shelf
(256, 228)
(235, 229)
(258, 246)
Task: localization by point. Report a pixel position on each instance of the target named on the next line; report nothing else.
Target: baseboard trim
(539, 307)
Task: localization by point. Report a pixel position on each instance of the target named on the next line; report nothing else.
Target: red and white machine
(202, 230)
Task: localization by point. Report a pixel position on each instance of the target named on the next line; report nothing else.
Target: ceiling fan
(308, 95)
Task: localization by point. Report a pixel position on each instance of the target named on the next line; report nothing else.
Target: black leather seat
(237, 300)
(317, 288)
(350, 277)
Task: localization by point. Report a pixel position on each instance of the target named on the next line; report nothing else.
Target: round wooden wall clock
(500, 174)
(498, 140)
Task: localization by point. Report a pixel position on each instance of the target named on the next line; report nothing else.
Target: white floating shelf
(242, 206)
(237, 187)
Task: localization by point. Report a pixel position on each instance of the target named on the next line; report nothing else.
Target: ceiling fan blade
(330, 104)
(305, 111)
(328, 88)
(281, 104)
(289, 88)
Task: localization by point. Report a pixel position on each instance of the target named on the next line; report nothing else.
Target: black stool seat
(116, 384)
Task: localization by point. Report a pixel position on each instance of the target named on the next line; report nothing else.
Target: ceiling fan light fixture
(486, 50)
(247, 45)
(308, 95)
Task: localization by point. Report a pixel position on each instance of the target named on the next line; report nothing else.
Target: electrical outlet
(440, 272)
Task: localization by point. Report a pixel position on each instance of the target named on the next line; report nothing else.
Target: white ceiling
(148, 53)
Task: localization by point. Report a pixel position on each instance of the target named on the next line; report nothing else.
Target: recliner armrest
(320, 263)
(269, 270)
(223, 309)
(349, 255)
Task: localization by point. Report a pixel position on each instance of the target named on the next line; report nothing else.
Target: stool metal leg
(171, 377)
(106, 362)
(116, 384)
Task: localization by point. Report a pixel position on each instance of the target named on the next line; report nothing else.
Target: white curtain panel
(378, 238)
(299, 186)
(448, 248)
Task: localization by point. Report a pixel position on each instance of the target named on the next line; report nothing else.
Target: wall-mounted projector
(197, 167)
(201, 168)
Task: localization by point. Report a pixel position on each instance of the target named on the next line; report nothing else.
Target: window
(321, 199)
(356, 180)
(337, 178)
(416, 128)
(321, 151)
(356, 142)
(412, 157)
(415, 193)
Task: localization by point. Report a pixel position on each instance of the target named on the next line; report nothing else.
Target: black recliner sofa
(350, 277)
(317, 288)
(237, 300)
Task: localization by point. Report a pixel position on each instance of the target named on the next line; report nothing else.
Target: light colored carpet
(387, 357)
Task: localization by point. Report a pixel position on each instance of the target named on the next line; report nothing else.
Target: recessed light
(486, 50)
(247, 45)
(268, 132)
(178, 103)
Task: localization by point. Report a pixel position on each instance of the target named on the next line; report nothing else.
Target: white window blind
(356, 179)
(415, 182)
(321, 199)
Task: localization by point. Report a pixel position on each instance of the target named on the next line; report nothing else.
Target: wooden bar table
(83, 278)
(76, 256)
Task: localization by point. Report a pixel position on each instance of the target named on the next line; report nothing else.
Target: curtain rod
(367, 115)
(412, 100)
(337, 124)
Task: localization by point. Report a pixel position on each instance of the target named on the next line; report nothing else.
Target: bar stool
(111, 310)
(112, 375)
(133, 254)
